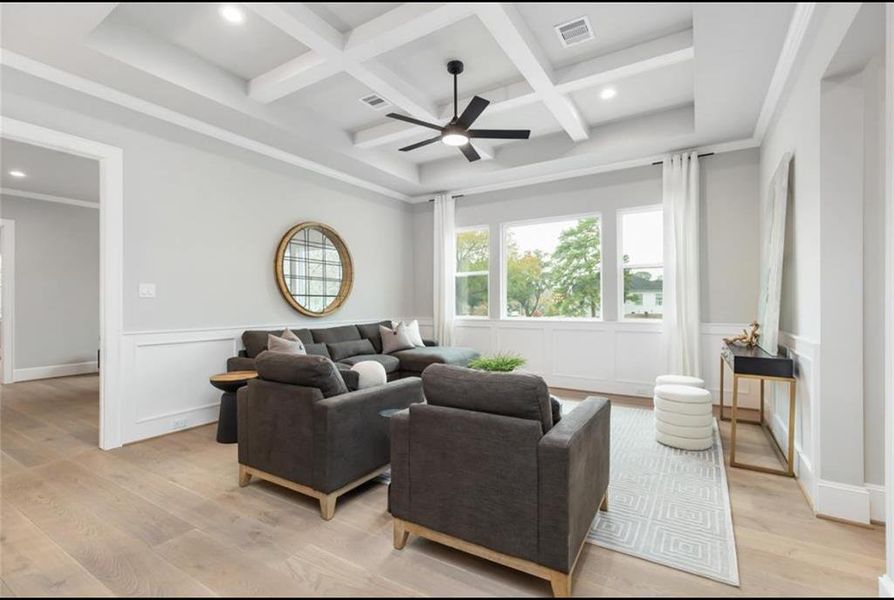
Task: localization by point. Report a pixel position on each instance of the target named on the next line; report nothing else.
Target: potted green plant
(500, 363)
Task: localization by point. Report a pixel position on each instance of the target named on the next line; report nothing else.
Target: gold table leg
(788, 458)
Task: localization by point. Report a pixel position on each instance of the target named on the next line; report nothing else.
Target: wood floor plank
(31, 564)
(166, 517)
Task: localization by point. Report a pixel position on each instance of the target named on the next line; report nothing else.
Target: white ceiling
(291, 76)
(48, 172)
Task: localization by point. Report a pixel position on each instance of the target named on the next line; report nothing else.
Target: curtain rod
(654, 163)
(700, 156)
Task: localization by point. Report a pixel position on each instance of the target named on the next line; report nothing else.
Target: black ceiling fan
(457, 132)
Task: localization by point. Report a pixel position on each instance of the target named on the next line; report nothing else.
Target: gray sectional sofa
(347, 345)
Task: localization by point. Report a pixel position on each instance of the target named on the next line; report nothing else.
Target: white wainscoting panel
(595, 356)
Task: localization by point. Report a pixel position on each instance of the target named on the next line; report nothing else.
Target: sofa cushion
(390, 363)
(300, 369)
(370, 331)
(416, 359)
(255, 340)
(330, 335)
(342, 350)
(317, 350)
(284, 344)
(395, 340)
(520, 395)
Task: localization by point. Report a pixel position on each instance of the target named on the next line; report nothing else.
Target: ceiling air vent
(574, 32)
(375, 102)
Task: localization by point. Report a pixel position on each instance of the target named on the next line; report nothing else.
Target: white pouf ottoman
(680, 380)
(370, 374)
(684, 417)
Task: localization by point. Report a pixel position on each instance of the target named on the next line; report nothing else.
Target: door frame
(8, 250)
(111, 246)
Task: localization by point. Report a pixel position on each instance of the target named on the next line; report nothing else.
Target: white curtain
(444, 271)
(681, 264)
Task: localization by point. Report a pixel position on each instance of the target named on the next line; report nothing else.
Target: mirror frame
(347, 281)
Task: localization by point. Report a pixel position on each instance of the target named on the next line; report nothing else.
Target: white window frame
(621, 266)
(504, 227)
(457, 273)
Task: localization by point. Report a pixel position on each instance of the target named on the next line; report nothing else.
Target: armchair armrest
(240, 363)
(349, 421)
(573, 463)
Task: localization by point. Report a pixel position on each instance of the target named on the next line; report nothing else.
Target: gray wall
(729, 222)
(57, 282)
(202, 221)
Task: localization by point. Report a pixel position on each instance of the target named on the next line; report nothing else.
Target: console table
(757, 364)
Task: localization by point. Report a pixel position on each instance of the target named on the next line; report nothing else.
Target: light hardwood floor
(166, 517)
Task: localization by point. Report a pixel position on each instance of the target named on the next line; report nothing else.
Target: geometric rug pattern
(666, 505)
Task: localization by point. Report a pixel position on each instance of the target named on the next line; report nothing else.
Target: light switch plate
(146, 290)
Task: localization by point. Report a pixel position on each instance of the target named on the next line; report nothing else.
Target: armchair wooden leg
(400, 534)
(327, 506)
(604, 504)
(561, 584)
(244, 476)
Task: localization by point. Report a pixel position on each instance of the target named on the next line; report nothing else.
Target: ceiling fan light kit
(456, 132)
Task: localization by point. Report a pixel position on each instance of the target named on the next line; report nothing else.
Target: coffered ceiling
(287, 80)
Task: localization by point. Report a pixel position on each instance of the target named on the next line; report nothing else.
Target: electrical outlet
(146, 290)
(179, 424)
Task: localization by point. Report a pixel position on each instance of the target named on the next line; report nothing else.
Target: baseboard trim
(876, 502)
(842, 501)
(51, 371)
(886, 586)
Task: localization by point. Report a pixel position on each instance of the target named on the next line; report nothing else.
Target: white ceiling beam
(636, 60)
(333, 53)
(402, 25)
(509, 30)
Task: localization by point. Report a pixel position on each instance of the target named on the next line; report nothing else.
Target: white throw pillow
(370, 374)
(285, 346)
(395, 339)
(413, 330)
(288, 334)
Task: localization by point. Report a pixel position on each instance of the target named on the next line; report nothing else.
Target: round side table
(229, 383)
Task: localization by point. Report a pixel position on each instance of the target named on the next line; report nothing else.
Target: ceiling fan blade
(472, 112)
(469, 152)
(500, 134)
(414, 121)
(437, 138)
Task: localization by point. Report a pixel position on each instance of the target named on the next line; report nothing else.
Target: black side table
(229, 383)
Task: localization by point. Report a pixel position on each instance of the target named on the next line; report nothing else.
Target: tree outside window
(554, 269)
(472, 272)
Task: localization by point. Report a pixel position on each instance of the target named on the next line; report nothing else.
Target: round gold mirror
(313, 268)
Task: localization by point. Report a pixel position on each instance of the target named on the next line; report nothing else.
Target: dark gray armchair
(299, 427)
(482, 468)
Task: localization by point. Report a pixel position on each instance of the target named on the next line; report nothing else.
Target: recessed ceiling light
(232, 13)
(608, 93)
(17, 173)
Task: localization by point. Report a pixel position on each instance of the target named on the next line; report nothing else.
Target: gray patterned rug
(666, 505)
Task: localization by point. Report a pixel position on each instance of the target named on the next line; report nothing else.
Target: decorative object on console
(500, 363)
(772, 246)
(370, 374)
(314, 270)
(457, 132)
(747, 337)
(229, 383)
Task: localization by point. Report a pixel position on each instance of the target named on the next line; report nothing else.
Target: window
(553, 269)
(641, 243)
(472, 272)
